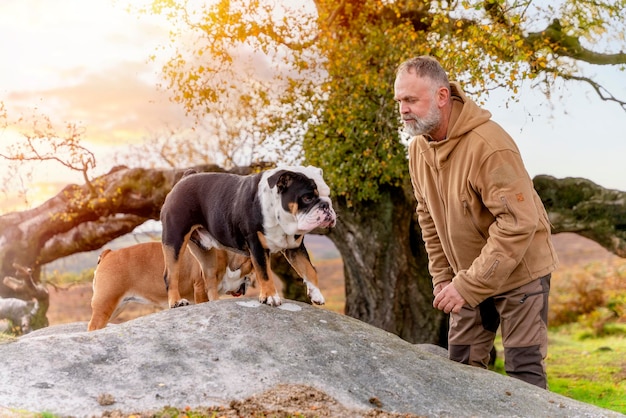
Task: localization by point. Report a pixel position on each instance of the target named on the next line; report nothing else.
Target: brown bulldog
(135, 274)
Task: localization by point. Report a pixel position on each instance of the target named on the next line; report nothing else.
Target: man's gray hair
(426, 66)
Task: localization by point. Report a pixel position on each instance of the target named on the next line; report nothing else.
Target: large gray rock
(213, 353)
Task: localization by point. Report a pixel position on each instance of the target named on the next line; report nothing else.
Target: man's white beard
(423, 126)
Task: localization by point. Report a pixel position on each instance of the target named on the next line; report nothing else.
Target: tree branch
(578, 205)
(602, 92)
(88, 236)
(565, 45)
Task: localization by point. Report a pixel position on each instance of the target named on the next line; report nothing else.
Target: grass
(586, 368)
(6, 338)
(591, 370)
(64, 279)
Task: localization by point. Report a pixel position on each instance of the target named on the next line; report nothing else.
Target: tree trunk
(25, 285)
(385, 267)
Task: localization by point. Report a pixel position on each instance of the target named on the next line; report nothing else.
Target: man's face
(417, 103)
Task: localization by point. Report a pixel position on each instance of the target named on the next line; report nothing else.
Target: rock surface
(217, 353)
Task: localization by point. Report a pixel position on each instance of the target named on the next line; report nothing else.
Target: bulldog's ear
(320, 172)
(281, 179)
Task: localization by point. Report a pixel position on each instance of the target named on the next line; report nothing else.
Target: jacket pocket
(468, 214)
(509, 210)
(490, 272)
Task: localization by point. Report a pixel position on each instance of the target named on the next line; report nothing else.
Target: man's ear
(443, 95)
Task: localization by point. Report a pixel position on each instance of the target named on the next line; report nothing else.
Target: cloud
(116, 106)
(85, 63)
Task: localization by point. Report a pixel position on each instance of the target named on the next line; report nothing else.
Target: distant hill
(574, 250)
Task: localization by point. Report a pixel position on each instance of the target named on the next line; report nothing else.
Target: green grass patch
(7, 338)
(591, 370)
(603, 394)
(585, 368)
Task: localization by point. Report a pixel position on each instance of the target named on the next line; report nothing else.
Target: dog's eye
(308, 199)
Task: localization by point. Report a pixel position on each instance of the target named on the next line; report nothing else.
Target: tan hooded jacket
(483, 223)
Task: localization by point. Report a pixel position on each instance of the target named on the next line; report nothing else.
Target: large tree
(320, 78)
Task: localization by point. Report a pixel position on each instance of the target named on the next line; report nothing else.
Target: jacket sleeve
(507, 192)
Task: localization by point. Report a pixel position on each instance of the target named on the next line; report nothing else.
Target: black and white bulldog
(255, 215)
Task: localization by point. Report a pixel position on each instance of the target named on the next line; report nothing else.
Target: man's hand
(447, 298)
(439, 287)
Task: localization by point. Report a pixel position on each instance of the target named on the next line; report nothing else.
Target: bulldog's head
(304, 199)
(234, 284)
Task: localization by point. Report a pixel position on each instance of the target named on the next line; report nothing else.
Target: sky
(87, 62)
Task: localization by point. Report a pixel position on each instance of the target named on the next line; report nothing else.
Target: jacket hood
(466, 115)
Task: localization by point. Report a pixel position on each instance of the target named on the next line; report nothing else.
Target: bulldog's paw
(316, 296)
(178, 304)
(273, 300)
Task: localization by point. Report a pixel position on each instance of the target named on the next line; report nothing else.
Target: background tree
(334, 64)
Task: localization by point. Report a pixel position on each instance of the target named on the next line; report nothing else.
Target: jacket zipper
(491, 269)
(508, 208)
(445, 208)
(527, 295)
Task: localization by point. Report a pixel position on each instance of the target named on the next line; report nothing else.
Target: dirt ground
(283, 401)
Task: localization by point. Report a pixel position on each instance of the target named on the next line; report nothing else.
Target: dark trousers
(522, 315)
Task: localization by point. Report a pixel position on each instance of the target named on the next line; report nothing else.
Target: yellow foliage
(594, 293)
(335, 68)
